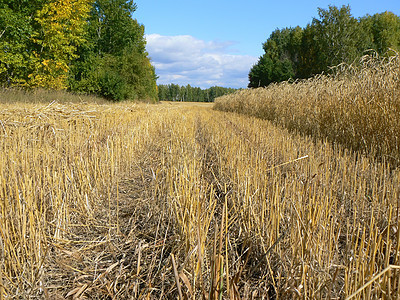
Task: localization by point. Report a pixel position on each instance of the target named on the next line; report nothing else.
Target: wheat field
(358, 106)
(137, 201)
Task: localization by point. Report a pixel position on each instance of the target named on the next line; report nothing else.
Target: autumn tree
(39, 39)
(87, 46)
(62, 28)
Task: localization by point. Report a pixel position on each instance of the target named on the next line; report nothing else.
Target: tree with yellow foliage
(86, 46)
(62, 28)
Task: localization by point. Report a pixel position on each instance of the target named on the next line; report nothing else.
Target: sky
(215, 42)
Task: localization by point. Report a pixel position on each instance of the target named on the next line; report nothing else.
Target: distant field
(136, 201)
(188, 104)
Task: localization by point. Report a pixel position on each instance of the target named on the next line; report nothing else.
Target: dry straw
(126, 201)
(358, 106)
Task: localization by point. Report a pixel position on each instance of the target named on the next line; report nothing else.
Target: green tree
(39, 39)
(14, 37)
(174, 92)
(281, 58)
(333, 38)
(261, 73)
(189, 93)
(337, 36)
(117, 46)
(17, 25)
(163, 92)
(112, 28)
(308, 53)
(383, 31)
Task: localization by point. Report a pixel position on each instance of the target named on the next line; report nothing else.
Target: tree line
(335, 37)
(86, 46)
(174, 92)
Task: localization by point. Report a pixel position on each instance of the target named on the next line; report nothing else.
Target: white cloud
(183, 59)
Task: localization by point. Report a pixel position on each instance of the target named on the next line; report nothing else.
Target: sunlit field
(137, 201)
(358, 106)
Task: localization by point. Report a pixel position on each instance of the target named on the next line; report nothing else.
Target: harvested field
(135, 201)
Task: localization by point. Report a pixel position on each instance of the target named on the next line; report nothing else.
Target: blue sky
(215, 42)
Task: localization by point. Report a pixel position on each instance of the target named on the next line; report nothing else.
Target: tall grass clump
(357, 106)
(19, 95)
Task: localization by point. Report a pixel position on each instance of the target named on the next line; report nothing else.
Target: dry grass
(16, 95)
(359, 107)
(127, 201)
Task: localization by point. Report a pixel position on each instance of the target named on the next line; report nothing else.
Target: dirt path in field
(136, 231)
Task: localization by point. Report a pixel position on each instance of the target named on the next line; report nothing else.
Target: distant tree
(174, 92)
(182, 93)
(163, 92)
(189, 93)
